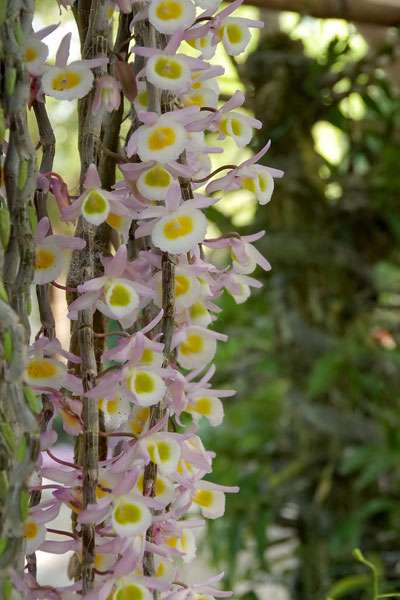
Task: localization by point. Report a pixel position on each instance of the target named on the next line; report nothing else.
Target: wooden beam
(376, 12)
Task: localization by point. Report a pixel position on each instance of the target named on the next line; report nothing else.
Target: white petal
(147, 387)
(154, 183)
(46, 372)
(187, 289)
(212, 503)
(251, 264)
(129, 589)
(198, 349)
(180, 231)
(244, 291)
(121, 297)
(36, 53)
(199, 315)
(164, 141)
(236, 36)
(164, 491)
(116, 410)
(237, 128)
(140, 102)
(130, 517)
(95, 207)
(49, 263)
(164, 452)
(209, 407)
(164, 568)
(35, 534)
(67, 83)
(186, 543)
(168, 15)
(168, 72)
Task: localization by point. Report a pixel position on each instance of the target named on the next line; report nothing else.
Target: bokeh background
(313, 435)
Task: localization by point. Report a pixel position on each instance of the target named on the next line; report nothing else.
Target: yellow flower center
(157, 177)
(236, 127)
(127, 513)
(195, 100)
(114, 220)
(168, 10)
(41, 369)
(142, 98)
(203, 498)
(112, 406)
(182, 284)
(147, 356)
(94, 204)
(178, 227)
(262, 182)
(193, 345)
(161, 570)
(100, 492)
(248, 184)
(30, 54)
(161, 138)
(234, 33)
(163, 451)
(168, 68)
(120, 296)
(144, 383)
(65, 81)
(44, 259)
(31, 530)
(197, 310)
(129, 592)
(203, 406)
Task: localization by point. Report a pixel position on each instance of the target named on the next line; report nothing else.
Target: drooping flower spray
(142, 295)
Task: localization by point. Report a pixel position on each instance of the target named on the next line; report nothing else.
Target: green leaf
(7, 346)
(8, 435)
(3, 11)
(358, 555)
(324, 373)
(32, 218)
(18, 33)
(3, 293)
(5, 227)
(22, 176)
(2, 121)
(31, 399)
(11, 78)
(3, 545)
(349, 584)
(7, 589)
(3, 486)
(24, 504)
(21, 449)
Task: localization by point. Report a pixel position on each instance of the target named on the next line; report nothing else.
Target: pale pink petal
(41, 229)
(63, 51)
(92, 179)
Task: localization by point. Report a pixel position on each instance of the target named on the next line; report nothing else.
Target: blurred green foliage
(313, 435)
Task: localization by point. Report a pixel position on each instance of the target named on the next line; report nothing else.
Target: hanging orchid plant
(140, 274)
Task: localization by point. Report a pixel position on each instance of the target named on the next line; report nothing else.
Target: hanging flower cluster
(152, 489)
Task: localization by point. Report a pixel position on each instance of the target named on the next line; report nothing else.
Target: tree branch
(364, 11)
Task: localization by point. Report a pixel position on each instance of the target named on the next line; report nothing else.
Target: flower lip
(168, 15)
(180, 231)
(67, 83)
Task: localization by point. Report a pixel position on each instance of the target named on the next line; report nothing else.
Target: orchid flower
(67, 82)
(50, 260)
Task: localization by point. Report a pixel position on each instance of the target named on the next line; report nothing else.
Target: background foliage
(312, 437)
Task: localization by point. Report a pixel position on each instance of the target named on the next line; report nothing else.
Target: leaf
(324, 373)
(349, 584)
